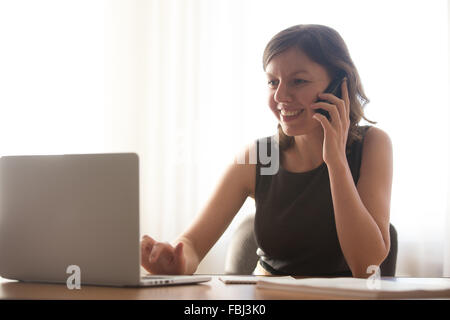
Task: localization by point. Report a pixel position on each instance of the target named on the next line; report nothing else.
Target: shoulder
(376, 153)
(376, 141)
(376, 135)
(243, 168)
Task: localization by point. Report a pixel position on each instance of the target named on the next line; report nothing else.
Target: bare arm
(362, 211)
(186, 253)
(231, 192)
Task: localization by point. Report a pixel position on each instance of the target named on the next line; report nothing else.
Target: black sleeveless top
(295, 227)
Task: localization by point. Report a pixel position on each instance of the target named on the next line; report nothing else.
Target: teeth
(290, 113)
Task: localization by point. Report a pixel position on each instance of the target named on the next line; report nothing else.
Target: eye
(299, 81)
(272, 83)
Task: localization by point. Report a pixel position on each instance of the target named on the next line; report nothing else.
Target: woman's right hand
(161, 257)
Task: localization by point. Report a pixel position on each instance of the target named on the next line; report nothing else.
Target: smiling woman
(326, 211)
(288, 202)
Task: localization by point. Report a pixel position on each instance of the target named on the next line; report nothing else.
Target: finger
(147, 243)
(144, 252)
(326, 125)
(161, 252)
(148, 240)
(345, 96)
(332, 110)
(155, 253)
(144, 259)
(338, 103)
(179, 250)
(328, 97)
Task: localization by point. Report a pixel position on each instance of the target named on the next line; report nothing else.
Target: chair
(241, 255)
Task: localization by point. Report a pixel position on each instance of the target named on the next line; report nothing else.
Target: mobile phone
(334, 88)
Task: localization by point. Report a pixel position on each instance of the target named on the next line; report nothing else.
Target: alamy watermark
(270, 162)
(374, 281)
(74, 280)
(182, 155)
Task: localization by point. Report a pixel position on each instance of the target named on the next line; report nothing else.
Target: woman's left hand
(336, 131)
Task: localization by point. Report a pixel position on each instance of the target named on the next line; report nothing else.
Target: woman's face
(294, 83)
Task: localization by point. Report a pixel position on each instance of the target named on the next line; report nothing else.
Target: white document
(248, 279)
(397, 288)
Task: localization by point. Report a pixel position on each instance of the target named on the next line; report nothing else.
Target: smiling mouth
(285, 113)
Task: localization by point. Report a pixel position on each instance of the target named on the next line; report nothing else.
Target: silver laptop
(67, 216)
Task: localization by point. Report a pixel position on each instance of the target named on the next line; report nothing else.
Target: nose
(282, 94)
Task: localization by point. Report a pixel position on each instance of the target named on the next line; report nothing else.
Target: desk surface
(212, 290)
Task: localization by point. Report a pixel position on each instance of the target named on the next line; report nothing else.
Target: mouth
(290, 115)
(286, 113)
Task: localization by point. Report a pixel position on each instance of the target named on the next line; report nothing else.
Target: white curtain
(181, 83)
(447, 223)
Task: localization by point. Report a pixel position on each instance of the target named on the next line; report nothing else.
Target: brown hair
(326, 47)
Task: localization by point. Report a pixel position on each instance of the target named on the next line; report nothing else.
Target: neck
(309, 147)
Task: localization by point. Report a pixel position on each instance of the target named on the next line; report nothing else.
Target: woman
(325, 212)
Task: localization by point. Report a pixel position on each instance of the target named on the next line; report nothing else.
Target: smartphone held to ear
(334, 88)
